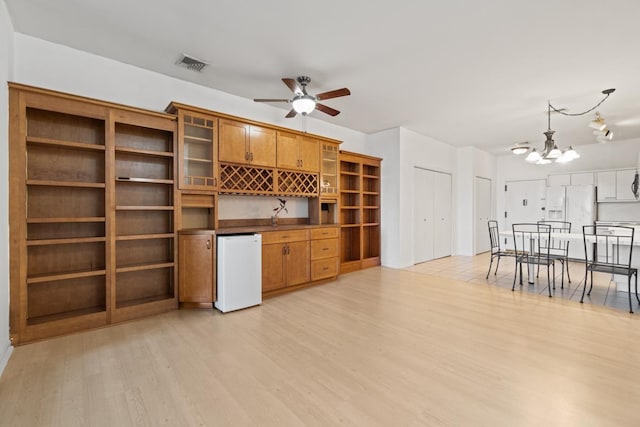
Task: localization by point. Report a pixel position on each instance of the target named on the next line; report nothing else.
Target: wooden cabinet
(197, 151)
(329, 170)
(285, 259)
(359, 211)
(91, 213)
(244, 143)
(196, 266)
(298, 152)
(324, 253)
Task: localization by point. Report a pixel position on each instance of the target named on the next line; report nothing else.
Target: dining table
(570, 237)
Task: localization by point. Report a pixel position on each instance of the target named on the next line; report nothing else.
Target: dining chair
(496, 250)
(608, 249)
(558, 248)
(527, 238)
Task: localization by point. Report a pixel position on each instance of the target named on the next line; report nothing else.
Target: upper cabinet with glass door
(329, 170)
(198, 140)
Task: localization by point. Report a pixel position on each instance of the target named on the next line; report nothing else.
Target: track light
(598, 123)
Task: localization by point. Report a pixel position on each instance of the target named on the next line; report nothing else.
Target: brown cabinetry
(196, 285)
(298, 152)
(359, 211)
(91, 213)
(244, 143)
(198, 163)
(324, 253)
(285, 259)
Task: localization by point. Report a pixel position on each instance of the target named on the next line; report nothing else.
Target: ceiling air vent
(191, 63)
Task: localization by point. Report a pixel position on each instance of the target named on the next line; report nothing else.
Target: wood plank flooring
(378, 347)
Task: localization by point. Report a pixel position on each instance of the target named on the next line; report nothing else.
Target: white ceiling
(464, 72)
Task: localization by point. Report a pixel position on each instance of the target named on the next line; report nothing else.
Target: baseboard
(4, 357)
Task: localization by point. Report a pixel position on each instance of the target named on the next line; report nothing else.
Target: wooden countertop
(257, 229)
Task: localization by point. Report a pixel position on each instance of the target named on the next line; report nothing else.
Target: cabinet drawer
(324, 233)
(324, 268)
(284, 236)
(325, 248)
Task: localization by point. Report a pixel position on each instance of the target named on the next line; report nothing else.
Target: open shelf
(143, 286)
(143, 180)
(141, 267)
(65, 315)
(146, 236)
(70, 145)
(67, 241)
(64, 276)
(360, 211)
(62, 299)
(142, 152)
(43, 183)
(65, 220)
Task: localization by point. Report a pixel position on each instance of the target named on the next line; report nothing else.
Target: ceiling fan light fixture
(303, 104)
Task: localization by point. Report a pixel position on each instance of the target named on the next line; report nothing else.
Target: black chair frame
(559, 248)
(530, 235)
(603, 254)
(496, 250)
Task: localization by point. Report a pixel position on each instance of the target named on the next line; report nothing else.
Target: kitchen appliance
(239, 267)
(575, 204)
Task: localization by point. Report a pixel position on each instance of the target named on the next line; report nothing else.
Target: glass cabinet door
(329, 172)
(197, 160)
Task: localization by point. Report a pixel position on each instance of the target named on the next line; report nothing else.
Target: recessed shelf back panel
(54, 259)
(59, 202)
(64, 127)
(59, 164)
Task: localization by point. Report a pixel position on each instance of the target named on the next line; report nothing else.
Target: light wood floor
(377, 347)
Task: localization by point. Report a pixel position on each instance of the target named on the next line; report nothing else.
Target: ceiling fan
(302, 102)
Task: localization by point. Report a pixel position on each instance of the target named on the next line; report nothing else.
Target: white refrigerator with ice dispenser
(575, 204)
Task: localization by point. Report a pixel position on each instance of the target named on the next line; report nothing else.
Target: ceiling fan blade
(270, 100)
(327, 110)
(333, 94)
(291, 113)
(293, 85)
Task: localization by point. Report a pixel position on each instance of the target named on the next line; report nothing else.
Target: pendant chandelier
(551, 152)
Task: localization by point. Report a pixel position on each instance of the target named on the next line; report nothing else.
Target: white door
(483, 213)
(422, 215)
(442, 214)
(525, 201)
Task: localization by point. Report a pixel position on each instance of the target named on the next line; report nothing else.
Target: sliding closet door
(423, 216)
(442, 214)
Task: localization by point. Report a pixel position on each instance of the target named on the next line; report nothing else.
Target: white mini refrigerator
(239, 271)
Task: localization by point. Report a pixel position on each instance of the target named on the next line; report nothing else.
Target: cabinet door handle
(215, 182)
(246, 155)
(252, 157)
(208, 244)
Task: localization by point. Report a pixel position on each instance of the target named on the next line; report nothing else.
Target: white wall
(386, 144)
(6, 71)
(257, 207)
(471, 163)
(402, 150)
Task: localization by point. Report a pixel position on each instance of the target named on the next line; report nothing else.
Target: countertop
(260, 229)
